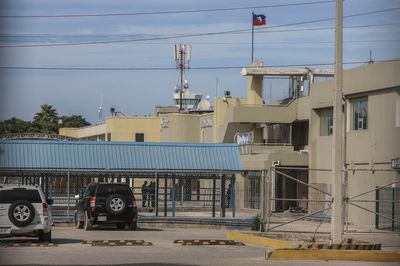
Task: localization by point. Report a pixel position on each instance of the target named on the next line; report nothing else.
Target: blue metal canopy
(73, 155)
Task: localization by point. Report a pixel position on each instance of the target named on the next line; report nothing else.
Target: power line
(40, 35)
(166, 12)
(195, 34)
(172, 68)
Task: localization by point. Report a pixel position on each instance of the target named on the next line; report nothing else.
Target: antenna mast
(182, 54)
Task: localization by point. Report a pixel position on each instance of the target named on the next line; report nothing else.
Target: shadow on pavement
(36, 241)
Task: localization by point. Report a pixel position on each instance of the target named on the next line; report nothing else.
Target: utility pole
(337, 156)
(181, 68)
(182, 54)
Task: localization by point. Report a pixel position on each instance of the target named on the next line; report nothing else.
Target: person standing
(144, 193)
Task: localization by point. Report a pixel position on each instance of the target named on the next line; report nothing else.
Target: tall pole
(337, 156)
(252, 37)
(181, 66)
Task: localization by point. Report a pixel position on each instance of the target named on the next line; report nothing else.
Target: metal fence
(300, 200)
(374, 208)
(157, 194)
(252, 187)
(293, 204)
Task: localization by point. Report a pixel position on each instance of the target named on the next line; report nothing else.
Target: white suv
(24, 211)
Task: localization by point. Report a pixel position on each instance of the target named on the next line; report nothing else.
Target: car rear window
(30, 195)
(123, 190)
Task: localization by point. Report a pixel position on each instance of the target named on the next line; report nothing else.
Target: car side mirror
(77, 197)
(49, 201)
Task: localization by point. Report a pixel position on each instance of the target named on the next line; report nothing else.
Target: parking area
(147, 246)
(161, 249)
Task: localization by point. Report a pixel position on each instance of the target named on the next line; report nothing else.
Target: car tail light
(133, 201)
(93, 203)
(45, 209)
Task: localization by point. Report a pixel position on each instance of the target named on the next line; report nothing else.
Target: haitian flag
(259, 20)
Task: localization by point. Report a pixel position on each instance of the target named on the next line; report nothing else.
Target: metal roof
(24, 154)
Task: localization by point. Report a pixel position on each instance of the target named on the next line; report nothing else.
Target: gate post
(263, 202)
(165, 194)
(269, 196)
(156, 196)
(68, 193)
(173, 195)
(223, 196)
(393, 207)
(213, 195)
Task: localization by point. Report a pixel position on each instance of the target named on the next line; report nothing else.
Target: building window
(279, 133)
(108, 136)
(139, 137)
(326, 122)
(360, 113)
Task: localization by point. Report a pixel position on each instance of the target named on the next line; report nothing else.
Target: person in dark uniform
(144, 193)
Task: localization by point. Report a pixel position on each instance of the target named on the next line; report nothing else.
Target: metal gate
(156, 194)
(376, 209)
(293, 204)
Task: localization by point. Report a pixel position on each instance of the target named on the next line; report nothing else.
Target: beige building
(294, 134)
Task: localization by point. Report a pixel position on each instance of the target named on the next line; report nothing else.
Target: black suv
(106, 203)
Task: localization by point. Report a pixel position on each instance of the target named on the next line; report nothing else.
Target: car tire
(87, 224)
(115, 204)
(21, 213)
(132, 226)
(45, 237)
(78, 224)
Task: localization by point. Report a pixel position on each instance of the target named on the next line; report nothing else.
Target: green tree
(74, 121)
(46, 121)
(15, 125)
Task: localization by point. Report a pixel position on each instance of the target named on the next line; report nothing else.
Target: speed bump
(27, 244)
(113, 243)
(208, 242)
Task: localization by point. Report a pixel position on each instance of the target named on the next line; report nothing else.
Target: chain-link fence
(157, 194)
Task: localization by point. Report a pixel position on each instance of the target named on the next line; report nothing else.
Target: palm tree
(46, 120)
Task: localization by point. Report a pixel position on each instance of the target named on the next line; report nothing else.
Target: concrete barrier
(258, 240)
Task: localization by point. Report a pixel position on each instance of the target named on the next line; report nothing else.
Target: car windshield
(30, 195)
(108, 189)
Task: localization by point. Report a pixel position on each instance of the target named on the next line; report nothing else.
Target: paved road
(70, 250)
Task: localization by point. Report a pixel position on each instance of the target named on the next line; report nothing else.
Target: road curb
(258, 240)
(348, 255)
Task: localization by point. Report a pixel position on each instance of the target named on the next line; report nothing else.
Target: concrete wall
(70, 132)
(182, 128)
(124, 128)
(370, 149)
(206, 128)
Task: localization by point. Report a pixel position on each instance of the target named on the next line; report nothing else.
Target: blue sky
(137, 92)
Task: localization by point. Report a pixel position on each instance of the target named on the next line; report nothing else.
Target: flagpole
(252, 37)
